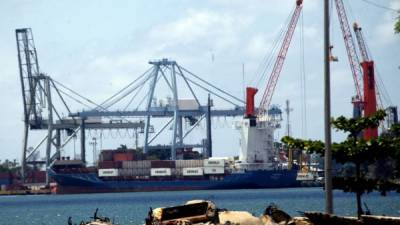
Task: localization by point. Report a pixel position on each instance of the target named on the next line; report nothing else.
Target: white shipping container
(214, 170)
(108, 172)
(155, 172)
(193, 171)
(214, 163)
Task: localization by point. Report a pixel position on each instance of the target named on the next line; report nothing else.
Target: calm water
(131, 208)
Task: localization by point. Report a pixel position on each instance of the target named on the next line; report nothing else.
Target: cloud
(262, 6)
(218, 30)
(385, 29)
(395, 4)
(258, 45)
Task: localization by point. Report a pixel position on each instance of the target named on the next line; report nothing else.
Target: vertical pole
(58, 143)
(24, 148)
(83, 147)
(327, 114)
(176, 112)
(26, 115)
(147, 125)
(209, 138)
(49, 127)
(288, 117)
(180, 130)
(290, 150)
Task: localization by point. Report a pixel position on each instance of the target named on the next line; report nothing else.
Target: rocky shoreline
(200, 212)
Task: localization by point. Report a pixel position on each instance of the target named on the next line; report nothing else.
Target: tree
(364, 155)
(397, 25)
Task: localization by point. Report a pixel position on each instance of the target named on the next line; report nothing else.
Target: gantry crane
(363, 73)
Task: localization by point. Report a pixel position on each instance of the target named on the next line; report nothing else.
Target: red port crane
(367, 66)
(352, 57)
(363, 76)
(273, 78)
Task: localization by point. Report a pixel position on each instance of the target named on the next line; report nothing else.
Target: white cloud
(219, 30)
(385, 29)
(257, 46)
(310, 32)
(385, 33)
(395, 4)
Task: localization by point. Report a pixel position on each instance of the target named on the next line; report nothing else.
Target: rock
(239, 217)
(277, 215)
(301, 221)
(267, 220)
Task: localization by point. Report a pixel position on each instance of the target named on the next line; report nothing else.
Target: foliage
(355, 125)
(9, 166)
(397, 25)
(376, 162)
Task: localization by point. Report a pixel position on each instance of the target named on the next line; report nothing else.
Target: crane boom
(350, 48)
(361, 42)
(273, 78)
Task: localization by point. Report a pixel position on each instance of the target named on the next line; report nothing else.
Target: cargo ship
(168, 176)
(124, 170)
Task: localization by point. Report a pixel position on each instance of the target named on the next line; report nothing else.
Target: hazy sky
(97, 47)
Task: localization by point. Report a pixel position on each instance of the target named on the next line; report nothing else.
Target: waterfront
(132, 208)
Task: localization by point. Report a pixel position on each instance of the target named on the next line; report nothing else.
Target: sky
(97, 47)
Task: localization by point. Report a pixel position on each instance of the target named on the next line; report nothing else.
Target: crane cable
(381, 6)
(303, 80)
(267, 61)
(381, 91)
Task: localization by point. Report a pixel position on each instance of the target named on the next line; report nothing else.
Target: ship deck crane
(257, 129)
(277, 68)
(273, 78)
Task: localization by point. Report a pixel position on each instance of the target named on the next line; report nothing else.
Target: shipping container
(214, 163)
(192, 171)
(106, 155)
(143, 164)
(108, 172)
(110, 165)
(191, 163)
(134, 172)
(163, 164)
(156, 172)
(214, 170)
(123, 156)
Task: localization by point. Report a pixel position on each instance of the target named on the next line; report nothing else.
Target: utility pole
(94, 144)
(327, 114)
(288, 110)
(290, 151)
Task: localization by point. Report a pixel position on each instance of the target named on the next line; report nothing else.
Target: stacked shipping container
(214, 166)
(136, 168)
(123, 163)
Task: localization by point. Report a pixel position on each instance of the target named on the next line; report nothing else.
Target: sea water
(132, 208)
